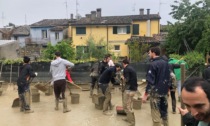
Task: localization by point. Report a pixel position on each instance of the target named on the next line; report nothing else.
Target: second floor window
(56, 35)
(121, 29)
(80, 30)
(44, 33)
(135, 29)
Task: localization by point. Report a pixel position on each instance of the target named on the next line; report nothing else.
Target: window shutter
(114, 29)
(128, 30)
(135, 29)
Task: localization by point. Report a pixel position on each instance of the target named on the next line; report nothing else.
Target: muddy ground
(82, 114)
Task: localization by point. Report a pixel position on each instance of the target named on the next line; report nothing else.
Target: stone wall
(9, 51)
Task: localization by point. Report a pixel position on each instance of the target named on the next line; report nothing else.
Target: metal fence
(80, 73)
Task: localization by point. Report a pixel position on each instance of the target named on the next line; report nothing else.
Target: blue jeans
(179, 87)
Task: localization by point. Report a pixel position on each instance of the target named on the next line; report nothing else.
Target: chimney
(141, 11)
(72, 16)
(98, 12)
(93, 15)
(148, 11)
(88, 16)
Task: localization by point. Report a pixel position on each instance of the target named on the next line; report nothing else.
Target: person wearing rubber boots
(130, 79)
(157, 77)
(25, 77)
(58, 70)
(104, 85)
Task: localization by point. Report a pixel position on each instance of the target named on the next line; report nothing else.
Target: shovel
(42, 87)
(16, 103)
(83, 89)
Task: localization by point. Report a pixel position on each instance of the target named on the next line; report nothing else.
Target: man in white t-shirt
(110, 63)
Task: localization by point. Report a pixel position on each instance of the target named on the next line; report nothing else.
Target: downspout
(158, 26)
(148, 28)
(107, 37)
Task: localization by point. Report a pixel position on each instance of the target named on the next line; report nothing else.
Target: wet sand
(82, 114)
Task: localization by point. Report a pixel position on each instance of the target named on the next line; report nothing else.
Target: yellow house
(113, 30)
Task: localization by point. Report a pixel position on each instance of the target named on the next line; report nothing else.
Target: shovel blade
(16, 103)
(41, 87)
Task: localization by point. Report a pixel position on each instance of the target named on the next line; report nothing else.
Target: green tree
(136, 50)
(195, 62)
(190, 31)
(94, 49)
(64, 46)
(48, 53)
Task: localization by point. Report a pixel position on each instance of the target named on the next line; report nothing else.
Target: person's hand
(182, 111)
(72, 82)
(122, 77)
(52, 83)
(144, 98)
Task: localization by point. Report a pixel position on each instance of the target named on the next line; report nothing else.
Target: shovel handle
(75, 85)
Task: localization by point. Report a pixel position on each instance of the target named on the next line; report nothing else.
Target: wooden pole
(182, 81)
(10, 74)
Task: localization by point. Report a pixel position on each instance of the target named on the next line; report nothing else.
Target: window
(56, 35)
(135, 29)
(80, 30)
(44, 33)
(117, 47)
(82, 49)
(101, 47)
(121, 29)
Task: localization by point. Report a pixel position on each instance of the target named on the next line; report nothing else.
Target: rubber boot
(91, 92)
(21, 104)
(165, 122)
(131, 118)
(111, 106)
(29, 111)
(56, 104)
(24, 106)
(65, 108)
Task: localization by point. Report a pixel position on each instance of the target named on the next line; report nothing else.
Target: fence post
(182, 81)
(10, 74)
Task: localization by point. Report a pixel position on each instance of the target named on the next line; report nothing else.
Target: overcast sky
(21, 12)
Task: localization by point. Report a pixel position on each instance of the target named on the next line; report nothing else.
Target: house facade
(114, 30)
(49, 30)
(21, 34)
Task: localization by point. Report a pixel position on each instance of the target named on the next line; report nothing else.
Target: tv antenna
(66, 3)
(25, 19)
(3, 17)
(160, 3)
(134, 8)
(77, 4)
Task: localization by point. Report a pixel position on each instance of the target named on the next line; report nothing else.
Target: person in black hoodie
(130, 79)
(25, 77)
(157, 77)
(105, 86)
